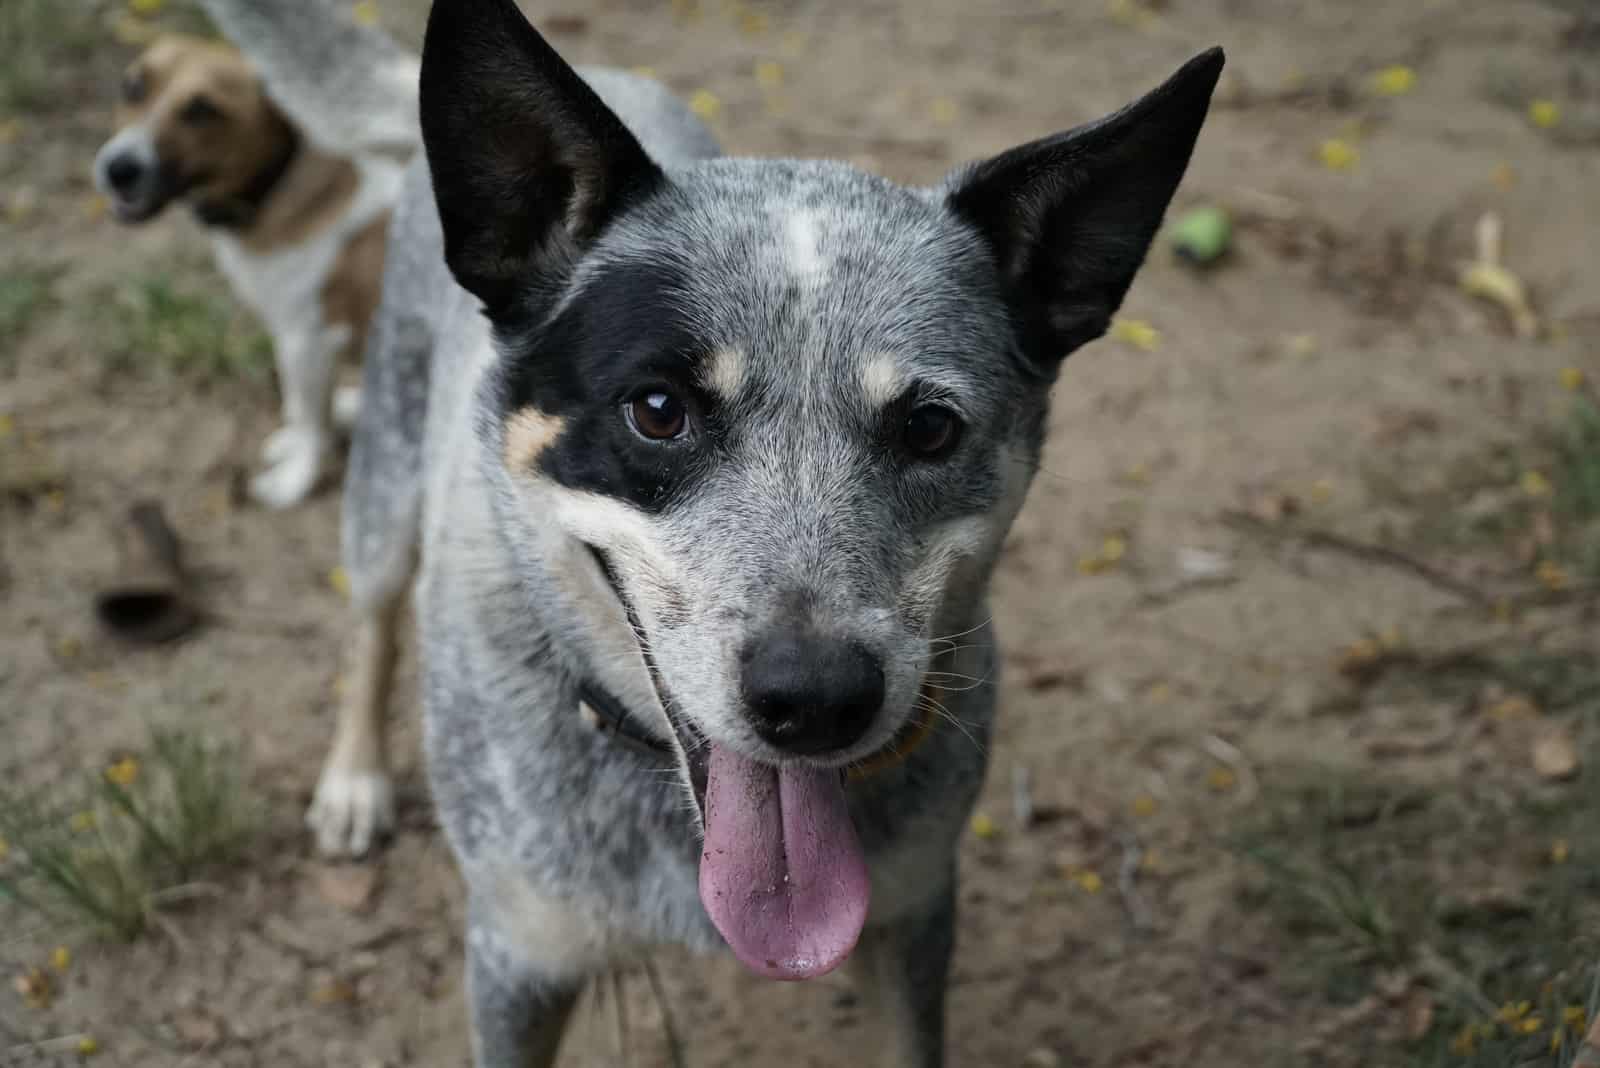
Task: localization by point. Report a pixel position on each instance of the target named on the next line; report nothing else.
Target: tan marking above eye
(723, 373)
(880, 379)
(528, 432)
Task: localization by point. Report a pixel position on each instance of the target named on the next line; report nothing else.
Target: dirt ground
(1224, 512)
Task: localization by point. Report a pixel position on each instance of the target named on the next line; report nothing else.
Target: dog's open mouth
(782, 874)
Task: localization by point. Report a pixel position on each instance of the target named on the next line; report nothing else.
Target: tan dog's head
(194, 121)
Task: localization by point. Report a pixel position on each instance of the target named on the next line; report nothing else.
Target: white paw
(346, 406)
(351, 810)
(296, 457)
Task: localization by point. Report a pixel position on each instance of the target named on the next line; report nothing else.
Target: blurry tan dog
(299, 229)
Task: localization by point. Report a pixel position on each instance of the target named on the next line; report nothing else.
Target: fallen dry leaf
(347, 886)
(1555, 756)
(332, 992)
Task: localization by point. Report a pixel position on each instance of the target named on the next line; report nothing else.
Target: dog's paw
(296, 457)
(351, 811)
(346, 406)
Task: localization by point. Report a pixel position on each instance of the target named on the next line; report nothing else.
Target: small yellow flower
(82, 822)
(769, 74)
(87, 1046)
(1534, 484)
(1394, 81)
(1530, 1026)
(645, 72)
(61, 958)
(944, 110)
(1089, 882)
(365, 12)
(753, 24)
(1544, 113)
(1221, 779)
(1465, 1042)
(984, 827)
(1556, 1038)
(1571, 379)
(1322, 491)
(1338, 154)
(146, 8)
(1552, 575)
(1114, 548)
(1575, 1017)
(1138, 333)
(123, 772)
(339, 581)
(705, 104)
(1560, 851)
(1512, 1011)
(1144, 806)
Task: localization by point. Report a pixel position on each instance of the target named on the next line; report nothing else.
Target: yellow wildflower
(365, 12)
(1572, 378)
(1465, 1042)
(1114, 548)
(705, 104)
(769, 74)
(1544, 113)
(1138, 333)
(82, 821)
(1338, 154)
(1575, 1017)
(1534, 484)
(146, 8)
(1394, 81)
(1531, 1025)
(61, 958)
(1512, 1011)
(1552, 575)
(1221, 779)
(983, 826)
(1560, 851)
(123, 772)
(1144, 805)
(339, 581)
(87, 1046)
(1089, 882)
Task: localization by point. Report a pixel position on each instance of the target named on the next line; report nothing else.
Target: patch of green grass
(25, 291)
(158, 323)
(1576, 447)
(41, 42)
(1487, 898)
(110, 850)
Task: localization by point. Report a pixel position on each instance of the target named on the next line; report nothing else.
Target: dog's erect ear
(528, 164)
(1070, 217)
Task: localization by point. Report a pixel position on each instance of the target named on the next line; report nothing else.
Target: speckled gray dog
(709, 461)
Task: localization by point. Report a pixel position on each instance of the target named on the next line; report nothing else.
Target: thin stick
(1361, 550)
(1132, 856)
(619, 1018)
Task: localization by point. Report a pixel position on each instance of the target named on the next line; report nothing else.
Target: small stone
(1555, 757)
(1042, 1058)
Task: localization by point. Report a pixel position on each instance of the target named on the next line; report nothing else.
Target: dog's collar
(611, 717)
(237, 212)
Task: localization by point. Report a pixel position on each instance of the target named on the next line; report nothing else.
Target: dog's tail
(349, 87)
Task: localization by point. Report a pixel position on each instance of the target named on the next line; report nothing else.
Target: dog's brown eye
(133, 87)
(200, 110)
(931, 431)
(658, 415)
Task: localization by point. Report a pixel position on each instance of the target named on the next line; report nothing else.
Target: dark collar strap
(240, 210)
(612, 718)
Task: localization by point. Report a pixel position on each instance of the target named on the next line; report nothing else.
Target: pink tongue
(782, 874)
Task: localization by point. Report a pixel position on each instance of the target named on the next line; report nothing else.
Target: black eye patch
(199, 111)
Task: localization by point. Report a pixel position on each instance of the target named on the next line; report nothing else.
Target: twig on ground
(1127, 873)
(674, 1041)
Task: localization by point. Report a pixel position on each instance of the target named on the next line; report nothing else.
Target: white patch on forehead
(805, 256)
(880, 379)
(724, 372)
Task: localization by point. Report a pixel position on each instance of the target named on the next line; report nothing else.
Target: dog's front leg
(901, 970)
(296, 454)
(518, 1015)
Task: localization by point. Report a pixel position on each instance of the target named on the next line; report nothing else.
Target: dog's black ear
(1069, 218)
(527, 163)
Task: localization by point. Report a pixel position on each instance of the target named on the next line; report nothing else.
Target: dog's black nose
(809, 695)
(123, 173)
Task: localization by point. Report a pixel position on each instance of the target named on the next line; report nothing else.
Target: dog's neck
(241, 210)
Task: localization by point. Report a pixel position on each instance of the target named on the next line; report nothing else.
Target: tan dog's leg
(354, 803)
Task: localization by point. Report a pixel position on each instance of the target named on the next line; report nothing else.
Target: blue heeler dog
(706, 462)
